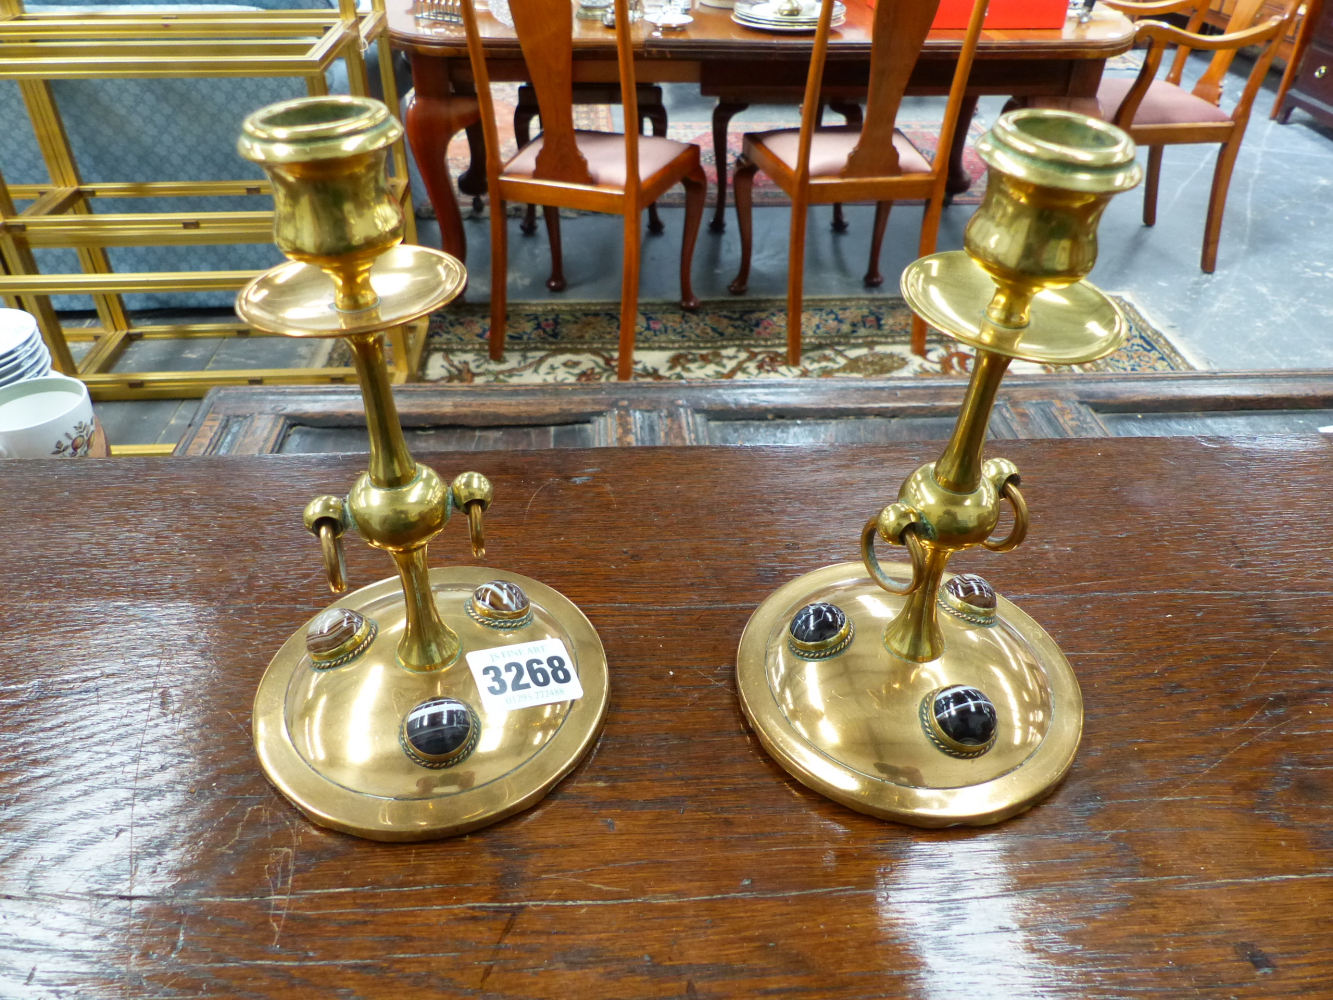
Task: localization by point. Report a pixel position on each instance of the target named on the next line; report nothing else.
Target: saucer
(670, 21)
(785, 26)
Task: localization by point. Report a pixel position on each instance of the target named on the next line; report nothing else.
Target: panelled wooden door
(262, 420)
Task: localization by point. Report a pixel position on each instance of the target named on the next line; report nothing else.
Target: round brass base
(1068, 326)
(329, 739)
(296, 300)
(851, 726)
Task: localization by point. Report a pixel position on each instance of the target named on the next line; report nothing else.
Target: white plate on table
(768, 10)
(670, 21)
(765, 17)
(17, 330)
(785, 27)
(22, 357)
(39, 366)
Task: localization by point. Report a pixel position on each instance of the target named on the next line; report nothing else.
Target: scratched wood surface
(1188, 854)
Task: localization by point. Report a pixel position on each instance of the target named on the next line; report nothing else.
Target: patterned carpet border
(731, 339)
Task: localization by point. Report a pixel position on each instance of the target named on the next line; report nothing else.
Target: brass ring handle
(325, 517)
(330, 544)
(1020, 530)
(471, 493)
(871, 560)
(475, 529)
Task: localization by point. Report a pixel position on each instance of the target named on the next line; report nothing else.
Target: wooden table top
(715, 35)
(1187, 855)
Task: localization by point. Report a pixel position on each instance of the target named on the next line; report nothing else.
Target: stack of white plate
(22, 353)
(766, 16)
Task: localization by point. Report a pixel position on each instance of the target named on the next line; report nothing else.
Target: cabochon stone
(332, 629)
(965, 715)
(501, 595)
(972, 590)
(439, 727)
(817, 623)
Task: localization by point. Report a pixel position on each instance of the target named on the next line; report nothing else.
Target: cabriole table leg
(434, 116)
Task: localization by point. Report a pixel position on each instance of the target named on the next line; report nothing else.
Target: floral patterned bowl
(46, 417)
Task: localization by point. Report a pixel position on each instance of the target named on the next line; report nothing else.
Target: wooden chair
(651, 109)
(871, 162)
(731, 101)
(1158, 113)
(593, 171)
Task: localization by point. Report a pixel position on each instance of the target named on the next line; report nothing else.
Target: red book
(1001, 14)
(1004, 14)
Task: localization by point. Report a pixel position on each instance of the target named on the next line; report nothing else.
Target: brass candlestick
(370, 719)
(931, 700)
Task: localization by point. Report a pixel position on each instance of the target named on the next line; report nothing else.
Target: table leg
(473, 180)
(1085, 77)
(722, 115)
(434, 116)
(959, 181)
(852, 115)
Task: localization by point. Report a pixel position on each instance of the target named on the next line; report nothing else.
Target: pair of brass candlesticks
(931, 701)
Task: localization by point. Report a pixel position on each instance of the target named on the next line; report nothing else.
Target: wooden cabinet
(1312, 83)
(264, 420)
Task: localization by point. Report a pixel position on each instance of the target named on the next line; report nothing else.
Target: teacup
(46, 417)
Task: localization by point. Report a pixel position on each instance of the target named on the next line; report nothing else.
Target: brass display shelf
(36, 48)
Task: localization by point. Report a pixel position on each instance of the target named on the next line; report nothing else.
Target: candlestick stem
(427, 642)
(391, 464)
(959, 468)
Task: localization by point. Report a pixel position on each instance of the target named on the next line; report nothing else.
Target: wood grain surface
(1188, 854)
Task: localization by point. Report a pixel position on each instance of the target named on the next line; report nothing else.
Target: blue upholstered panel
(151, 130)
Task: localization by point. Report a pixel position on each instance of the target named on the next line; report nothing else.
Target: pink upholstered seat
(1164, 104)
(830, 147)
(897, 35)
(605, 153)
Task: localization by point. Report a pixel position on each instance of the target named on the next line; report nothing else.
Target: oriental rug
(732, 339)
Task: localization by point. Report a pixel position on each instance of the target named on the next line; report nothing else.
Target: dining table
(738, 66)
